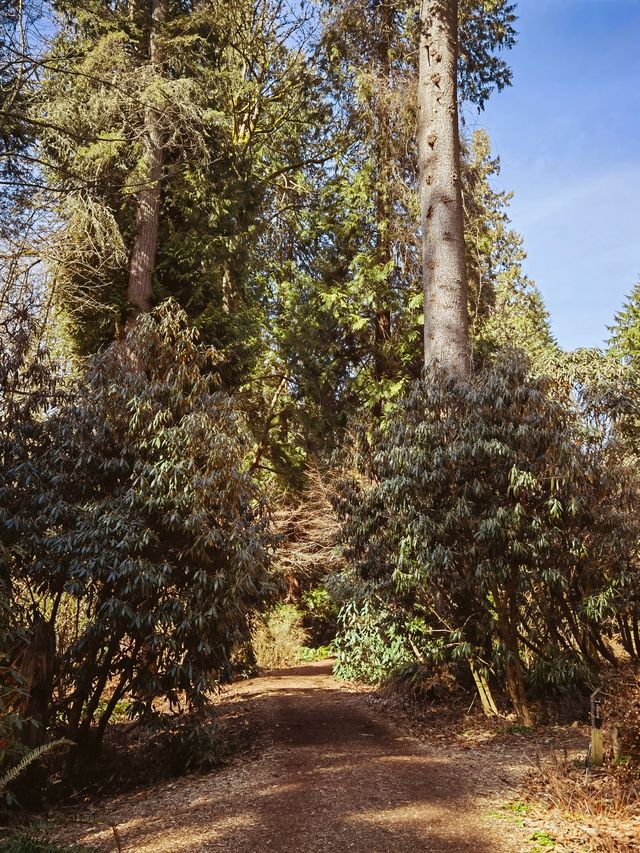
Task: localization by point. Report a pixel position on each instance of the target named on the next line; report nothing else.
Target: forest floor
(332, 767)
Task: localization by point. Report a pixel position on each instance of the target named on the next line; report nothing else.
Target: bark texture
(446, 327)
(143, 253)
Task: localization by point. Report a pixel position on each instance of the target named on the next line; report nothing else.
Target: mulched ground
(322, 766)
(328, 772)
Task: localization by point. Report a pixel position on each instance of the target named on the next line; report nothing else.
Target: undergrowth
(27, 843)
(278, 637)
(603, 805)
(308, 654)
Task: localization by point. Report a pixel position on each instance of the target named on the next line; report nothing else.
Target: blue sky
(568, 136)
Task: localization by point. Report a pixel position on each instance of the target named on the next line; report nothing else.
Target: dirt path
(332, 774)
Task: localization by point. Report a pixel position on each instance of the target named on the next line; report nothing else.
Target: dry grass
(599, 810)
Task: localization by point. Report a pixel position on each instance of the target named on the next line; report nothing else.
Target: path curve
(332, 775)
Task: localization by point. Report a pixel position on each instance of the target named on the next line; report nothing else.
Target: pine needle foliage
(624, 343)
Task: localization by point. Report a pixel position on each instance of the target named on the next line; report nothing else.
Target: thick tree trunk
(37, 669)
(38, 662)
(143, 253)
(446, 326)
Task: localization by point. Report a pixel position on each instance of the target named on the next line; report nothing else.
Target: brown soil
(332, 771)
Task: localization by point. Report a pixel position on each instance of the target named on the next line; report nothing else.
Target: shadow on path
(333, 777)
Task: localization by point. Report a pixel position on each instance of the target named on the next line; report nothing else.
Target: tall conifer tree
(446, 319)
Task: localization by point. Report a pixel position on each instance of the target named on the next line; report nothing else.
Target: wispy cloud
(588, 195)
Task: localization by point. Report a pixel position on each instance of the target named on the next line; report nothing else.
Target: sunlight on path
(333, 776)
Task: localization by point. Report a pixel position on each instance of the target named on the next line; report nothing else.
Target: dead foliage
(307, 530)
(592, 810)
(622, 697)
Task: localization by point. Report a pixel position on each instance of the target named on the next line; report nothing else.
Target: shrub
(369, 645)
(28, 383)
(494, 506)
(308, 654)
(192, 743)
(278, 637)
(135, 508)
(320, 615)
(378, 640)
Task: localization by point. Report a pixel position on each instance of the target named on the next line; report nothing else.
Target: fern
(28, 759)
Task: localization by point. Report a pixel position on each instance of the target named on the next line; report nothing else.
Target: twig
(117, 838)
